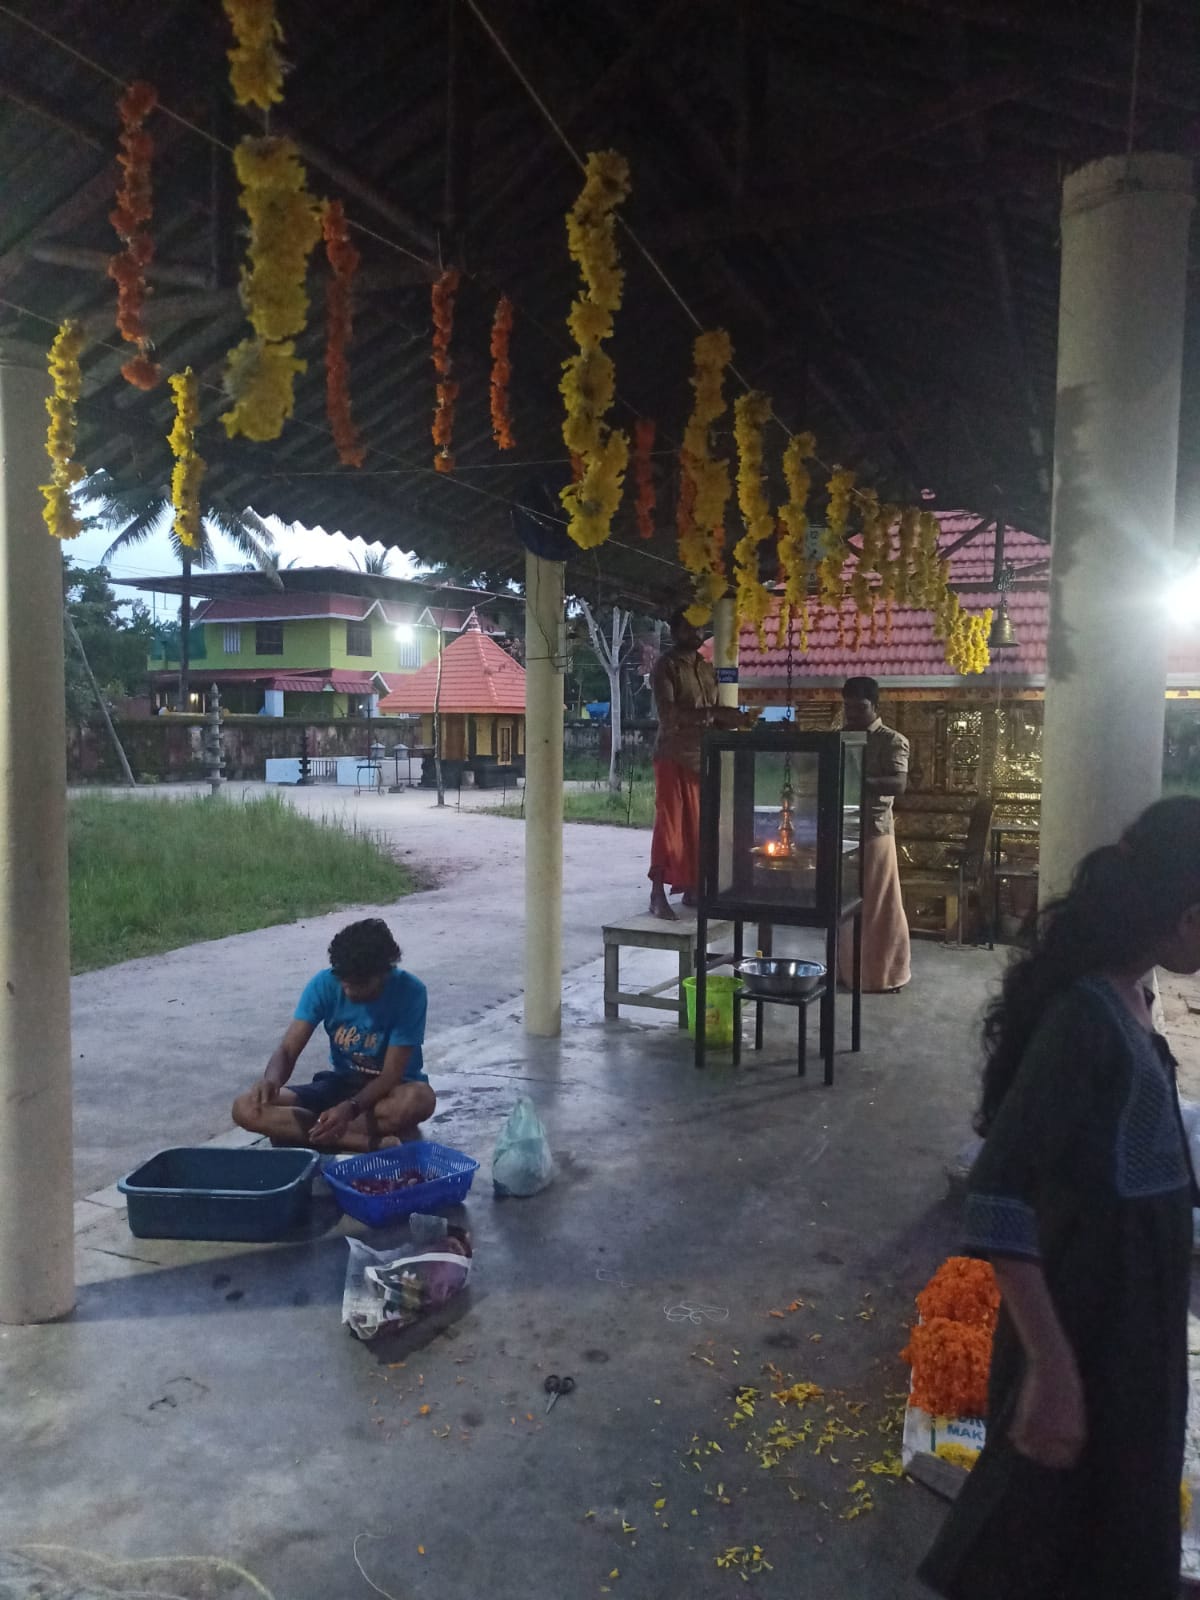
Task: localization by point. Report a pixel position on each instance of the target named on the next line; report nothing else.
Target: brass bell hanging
(1003, 635)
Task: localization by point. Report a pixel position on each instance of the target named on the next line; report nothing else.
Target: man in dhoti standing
(885, 943)
(685, 695)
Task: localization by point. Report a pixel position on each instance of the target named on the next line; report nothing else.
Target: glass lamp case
(781, 828)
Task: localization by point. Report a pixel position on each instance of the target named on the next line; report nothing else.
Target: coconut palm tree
(136, 512)
(374, 563)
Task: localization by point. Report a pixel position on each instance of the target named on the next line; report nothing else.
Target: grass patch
(599, 805)
(153, 875)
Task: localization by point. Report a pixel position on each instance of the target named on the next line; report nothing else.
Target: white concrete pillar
(544, 646)
(1120, 344)
(725, 651)
(272, 703)
(37, 1276)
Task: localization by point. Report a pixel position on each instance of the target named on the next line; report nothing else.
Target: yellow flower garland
(793, 539)
(255, 64)
(285, 224)
(750, 414)
(59, 511)
(260, 380)
(188, 470)
(702, 543)
(589, 381)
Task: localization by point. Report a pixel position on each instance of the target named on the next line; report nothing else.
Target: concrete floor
(163, 1044)
(204, 1399)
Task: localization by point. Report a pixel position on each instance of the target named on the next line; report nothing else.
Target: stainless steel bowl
(790, 980)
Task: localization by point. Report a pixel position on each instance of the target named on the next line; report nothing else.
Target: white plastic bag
(395, 1288)
(522, 1164)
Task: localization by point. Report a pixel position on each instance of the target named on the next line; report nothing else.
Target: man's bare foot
(660, 906)
(689, 900)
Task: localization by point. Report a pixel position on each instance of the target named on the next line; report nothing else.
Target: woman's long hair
(1124, 899)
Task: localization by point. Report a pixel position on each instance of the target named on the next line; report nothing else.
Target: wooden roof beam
(411, 227)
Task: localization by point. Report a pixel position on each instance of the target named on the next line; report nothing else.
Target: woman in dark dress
(1082, 1200)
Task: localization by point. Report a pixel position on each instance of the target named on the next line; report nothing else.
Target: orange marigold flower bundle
(344, 260)
(133, 210)
(644, 432)
(444, 291)
(950, 1363)
(964, 1290)
(502, 325)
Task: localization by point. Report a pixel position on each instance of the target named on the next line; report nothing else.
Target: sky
(307, 547)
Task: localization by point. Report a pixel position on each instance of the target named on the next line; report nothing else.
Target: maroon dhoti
(675, 847)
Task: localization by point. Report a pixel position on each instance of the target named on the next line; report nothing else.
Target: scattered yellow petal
(814, 1338)
(659, 1504)
(424, 1411)
(778, 1314)
(615, 1573)
(695, 1513)
(420, 1549)
(627, 1527)
(588, 1515)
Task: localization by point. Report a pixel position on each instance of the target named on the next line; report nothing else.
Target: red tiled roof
(477, 677)
(914, 654)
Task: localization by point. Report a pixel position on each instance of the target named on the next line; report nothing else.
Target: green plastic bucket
(718, 996)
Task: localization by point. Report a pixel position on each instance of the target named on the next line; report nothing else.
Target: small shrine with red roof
(476, 692)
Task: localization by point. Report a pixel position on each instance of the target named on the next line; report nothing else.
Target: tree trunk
(610, 658)
(100, 701)
(437, 724)
(613, 668)
(185, 631)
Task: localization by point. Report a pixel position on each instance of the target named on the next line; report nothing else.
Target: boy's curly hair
(363, 950)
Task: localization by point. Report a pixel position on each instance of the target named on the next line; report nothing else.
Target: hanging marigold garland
(344, 259)
(706, 486)
(188, 471)
(255, 64)
(502, 326)
(793, 539)
(61, 516)
(284, 226)
(444, 291)
(133, 210)
(588, 382)
(645, 431)
(750, 414)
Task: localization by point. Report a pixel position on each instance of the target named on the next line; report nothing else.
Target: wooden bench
(645, 932)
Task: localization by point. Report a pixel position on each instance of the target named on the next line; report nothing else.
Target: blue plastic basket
(448, 1176)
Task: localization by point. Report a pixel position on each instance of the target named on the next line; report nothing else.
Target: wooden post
(543, 795)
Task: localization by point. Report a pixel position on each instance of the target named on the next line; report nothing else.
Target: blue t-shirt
(360, 1031)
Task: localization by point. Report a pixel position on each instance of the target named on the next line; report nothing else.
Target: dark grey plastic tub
(245, 1196)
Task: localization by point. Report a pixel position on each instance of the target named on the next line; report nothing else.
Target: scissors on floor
(554, 1386)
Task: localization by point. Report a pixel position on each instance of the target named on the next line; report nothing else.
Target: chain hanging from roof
(705, 484)
(344, 259)
(255, 63)
(60, 511)
(444, 291)
(502, 326)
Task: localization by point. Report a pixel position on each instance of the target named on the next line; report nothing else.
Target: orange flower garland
(344, 259)
(502, 325)
(444, 291)
(134, 208)
(644, 432)
(964, 1290)
(950, 1362)
(950, 1350)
